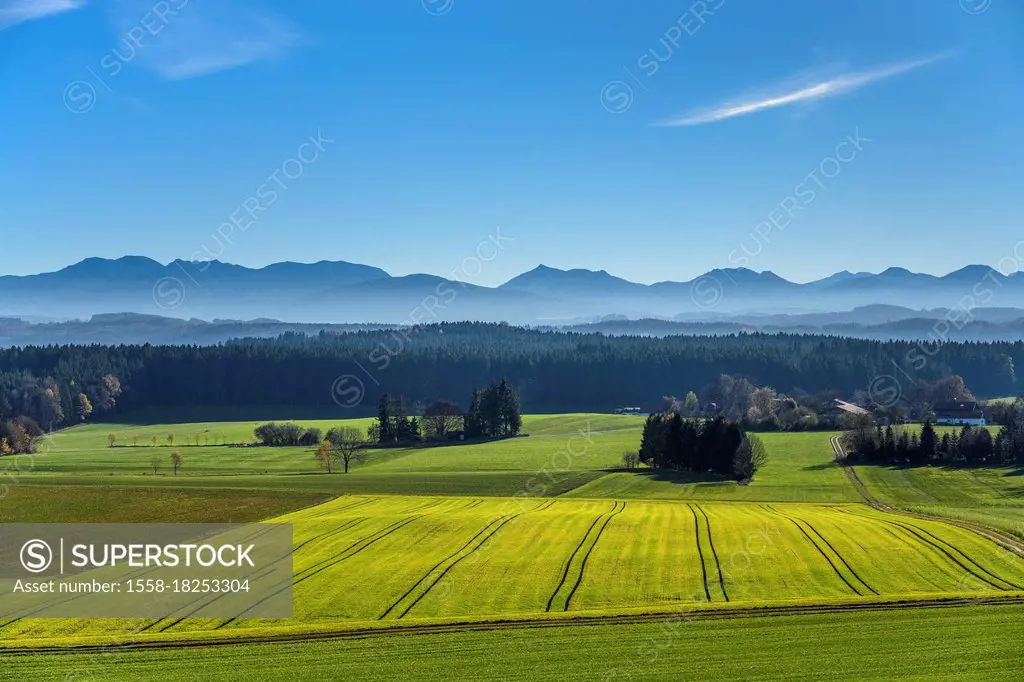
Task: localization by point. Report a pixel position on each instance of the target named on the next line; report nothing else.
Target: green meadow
(977, 642)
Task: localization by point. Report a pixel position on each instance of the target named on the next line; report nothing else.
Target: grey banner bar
(146, 570)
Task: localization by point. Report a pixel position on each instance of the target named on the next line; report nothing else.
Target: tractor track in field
(568, 564)
(938, 548)
(333, 561)
(816, 546)
(479, 545)
(583, 564)
(340, 556)
(131, 576)
(436, 566)
(956, 549)
(835, 551)
(732, 612)
(358, 546)
(841, 558)
(700, 553)
(353, 505)
(1000, 538)
(380, 535)
(215, 597)
(927, 542)
(455, 563)
(714, 554)
(334, 531)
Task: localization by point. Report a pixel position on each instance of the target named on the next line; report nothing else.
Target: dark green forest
(551, 371)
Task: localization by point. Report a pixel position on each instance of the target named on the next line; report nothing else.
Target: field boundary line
(539, 621)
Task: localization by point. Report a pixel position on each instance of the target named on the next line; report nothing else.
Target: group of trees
(53, 403)
(903, 445)
(288, 433)
(442, 418)
(915, 399)
(393, 425)
(762, 408)
(342, 446)
(19, 435)
(552, 371)
(494, 412)
(670, 441)
(755, 407)
(33, 403)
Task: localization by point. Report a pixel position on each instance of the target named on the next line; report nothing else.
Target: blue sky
(655, 140)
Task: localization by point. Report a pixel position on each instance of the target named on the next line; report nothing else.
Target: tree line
(972, 446)
(720, 446)
(551, 371)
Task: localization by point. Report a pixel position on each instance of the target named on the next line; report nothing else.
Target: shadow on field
(670, 476)
(821, 466)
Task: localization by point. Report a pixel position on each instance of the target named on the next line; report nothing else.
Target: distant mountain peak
(974, 271)
(547, 280)
(895, 271)
(132, 266)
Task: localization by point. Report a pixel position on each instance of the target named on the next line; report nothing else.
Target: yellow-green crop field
(541, 539)
(360, 560)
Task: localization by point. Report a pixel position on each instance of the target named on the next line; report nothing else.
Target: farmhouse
(840, 406)
(960, 412)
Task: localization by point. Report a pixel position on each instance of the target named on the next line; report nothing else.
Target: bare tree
(750, 456)
(347, 445)
(442, 417)
(325, 455)
(155, 461)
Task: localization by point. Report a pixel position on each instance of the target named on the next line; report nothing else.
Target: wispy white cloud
(796, 94)
(16, 11)
(209, 36)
